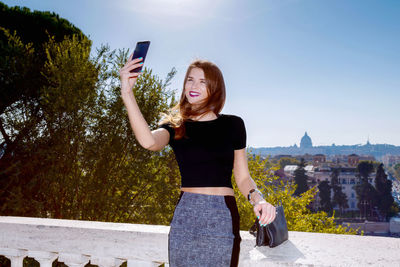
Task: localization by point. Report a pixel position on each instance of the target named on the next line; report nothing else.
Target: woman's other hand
(128, 79)
(267, 212)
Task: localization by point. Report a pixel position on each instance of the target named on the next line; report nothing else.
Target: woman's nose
(196, 85)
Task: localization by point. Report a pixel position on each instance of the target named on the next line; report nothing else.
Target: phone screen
(140, 51)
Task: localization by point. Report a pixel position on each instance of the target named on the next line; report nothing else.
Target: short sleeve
(239, 131)
(170, 129)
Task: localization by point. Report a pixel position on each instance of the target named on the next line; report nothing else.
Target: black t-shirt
(205, 157)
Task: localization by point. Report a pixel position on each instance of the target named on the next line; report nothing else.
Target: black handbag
(273, 234)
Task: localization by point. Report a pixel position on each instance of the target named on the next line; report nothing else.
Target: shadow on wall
(286, 252)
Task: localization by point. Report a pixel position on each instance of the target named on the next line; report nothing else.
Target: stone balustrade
(77, 243)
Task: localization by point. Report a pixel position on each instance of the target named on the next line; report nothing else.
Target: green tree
(51, 119)
(22, 81)
(366, 193)
(81, 160)
(339, 197)
(34, 26)
(325, 196)
(300, 179)
(364, 169)
(22, 58)
(383, 188)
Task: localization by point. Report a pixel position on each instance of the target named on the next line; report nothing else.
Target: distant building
(306, 157)
(353, 159)
(322, 172)
(348, 179)
(318, 159)
(367, 157)
(390, 160)
(282, 156)
(289, 170)
(305, 142)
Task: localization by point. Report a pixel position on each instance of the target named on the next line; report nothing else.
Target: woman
(208, 145)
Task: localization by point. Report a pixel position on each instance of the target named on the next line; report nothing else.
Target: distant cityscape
(384, 153)
(321, 161)
(318, 170)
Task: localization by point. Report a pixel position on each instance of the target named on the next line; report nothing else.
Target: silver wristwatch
(249, 196)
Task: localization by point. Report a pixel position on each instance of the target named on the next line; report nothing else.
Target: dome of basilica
(305, 141)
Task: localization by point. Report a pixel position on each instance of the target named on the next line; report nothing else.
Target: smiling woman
(196, 86)
(208, 145)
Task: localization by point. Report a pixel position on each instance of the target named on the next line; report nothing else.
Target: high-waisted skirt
(204, 231)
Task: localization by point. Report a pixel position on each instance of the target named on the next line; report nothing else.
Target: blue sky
(331, 68)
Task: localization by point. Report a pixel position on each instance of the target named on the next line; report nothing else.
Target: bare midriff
(210, 190)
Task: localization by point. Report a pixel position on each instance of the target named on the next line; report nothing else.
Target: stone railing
(77, 243)
(377, 228)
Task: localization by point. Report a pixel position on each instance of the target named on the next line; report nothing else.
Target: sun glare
(175, 8)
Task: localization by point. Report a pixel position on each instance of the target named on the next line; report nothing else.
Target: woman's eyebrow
(190, 77)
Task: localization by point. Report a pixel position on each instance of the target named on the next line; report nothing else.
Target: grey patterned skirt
(204, 231)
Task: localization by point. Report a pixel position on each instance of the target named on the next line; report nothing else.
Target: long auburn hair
(215, 101)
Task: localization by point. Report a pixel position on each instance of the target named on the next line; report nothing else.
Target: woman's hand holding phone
(128, 78)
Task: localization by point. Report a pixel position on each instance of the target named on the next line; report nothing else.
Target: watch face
(248, 196)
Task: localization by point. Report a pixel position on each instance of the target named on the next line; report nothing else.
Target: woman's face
(196, 86)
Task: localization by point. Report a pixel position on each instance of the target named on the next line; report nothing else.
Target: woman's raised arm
(152, 140)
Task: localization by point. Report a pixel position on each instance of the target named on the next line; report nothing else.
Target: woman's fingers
(271, 213)
(127, 76)
(268, 214)
(134, 66)
(135, 74)
(263, 214)
(127, 69)
(262, 210)
(130, 62)
(134, 61)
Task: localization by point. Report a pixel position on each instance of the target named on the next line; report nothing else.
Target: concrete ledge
(150, 243)
(103, 239)
(316, 249)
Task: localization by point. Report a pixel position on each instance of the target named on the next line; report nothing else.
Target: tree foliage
(80, 159)
(364, 169)
(298, 216)
(23, 35)
(366, 193)
(22, 52)
(339, 197)
(383, 188)
(35, 26)
(325, 197)
(300, 179)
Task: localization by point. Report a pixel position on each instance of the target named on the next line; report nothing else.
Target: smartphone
(140, 51)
